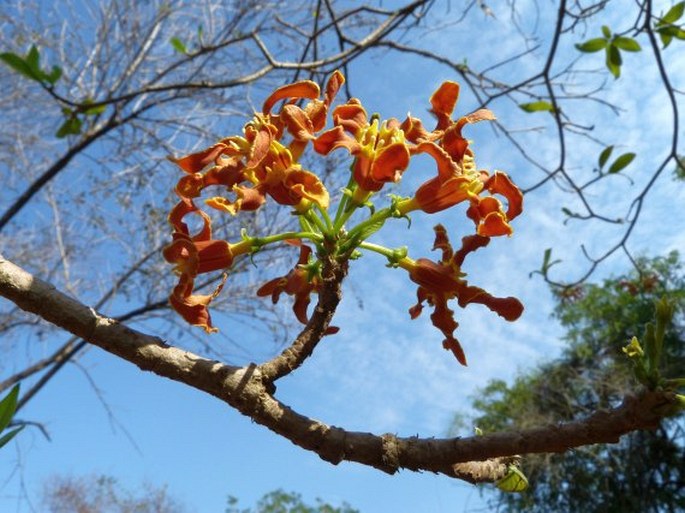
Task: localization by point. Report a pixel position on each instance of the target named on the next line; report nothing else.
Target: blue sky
(382, 372)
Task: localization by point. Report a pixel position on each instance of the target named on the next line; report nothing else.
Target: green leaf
(546, 263)
(672, 30)
(33, 60)
(665, 38)
(592, 45)
(95, 110)
(178, 45)
(18, 64)
(537, 106)
(515, 481)
(72, 126)
(627, 44)
(674, 13)
(613, 60)
(621, 162)
(8, 436)
(604, 156)
(54, 75)
(8, 406)
(606, 31)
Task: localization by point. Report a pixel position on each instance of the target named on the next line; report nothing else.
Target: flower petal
(500, 183)
(390, 163)
(443, 102)
(301, 89)
(196, 162)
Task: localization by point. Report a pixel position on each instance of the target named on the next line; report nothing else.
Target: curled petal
(447, 168)
(469, 244)
(297, 122)
(197, 257)
(183, 208)
(351, 116)
(442, 242)
(500, 183)
(296, 283)
(443, 102)
(196, 162)
(414, 131)
(475, 117)
(190, 186)
(454, 144)
(333, 139)
(260, 147)
(389, 164)
(247, 199)
(489, 217)
(303, 184)
(193, 308)
(301, 89)
(335, 82)
(493, 225)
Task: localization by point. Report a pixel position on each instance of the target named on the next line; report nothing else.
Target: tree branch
(249, 391)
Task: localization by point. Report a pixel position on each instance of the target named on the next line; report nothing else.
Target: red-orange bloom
(380, 151)
(452, 185)
(193, 255)
(488, 213)
(299, 282)
(441, 281)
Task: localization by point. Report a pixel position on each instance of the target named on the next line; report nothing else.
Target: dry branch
(251, 392)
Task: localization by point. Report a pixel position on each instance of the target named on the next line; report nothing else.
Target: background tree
(644, 471)
(102, 494)
(279, 501)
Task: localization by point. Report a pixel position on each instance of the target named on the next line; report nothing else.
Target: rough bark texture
(250, 390)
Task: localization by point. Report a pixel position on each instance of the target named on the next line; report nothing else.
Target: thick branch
(246, 390)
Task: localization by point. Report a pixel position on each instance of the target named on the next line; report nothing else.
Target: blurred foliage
(645, 472)
(103, 494)
(279, 501)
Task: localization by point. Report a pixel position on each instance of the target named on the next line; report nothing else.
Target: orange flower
(380, 151)
(488, 214)
(452, 185)
(193, 255)
(299, 282)
(257, 163)
(441, 281)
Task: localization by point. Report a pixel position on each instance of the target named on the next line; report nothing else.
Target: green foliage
(645, 471)
(612, 45)
(679, 171)
(539, 106)
(279, 501)
(178, 45)
(8, 406)
(666, 26)
(29, 66)
(547, 261)
(619, 164)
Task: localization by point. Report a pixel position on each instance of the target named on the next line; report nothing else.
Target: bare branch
(250, 392)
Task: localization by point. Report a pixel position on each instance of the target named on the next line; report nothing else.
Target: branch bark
(250, 391)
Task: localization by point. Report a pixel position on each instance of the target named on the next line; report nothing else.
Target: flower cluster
(263, 164)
